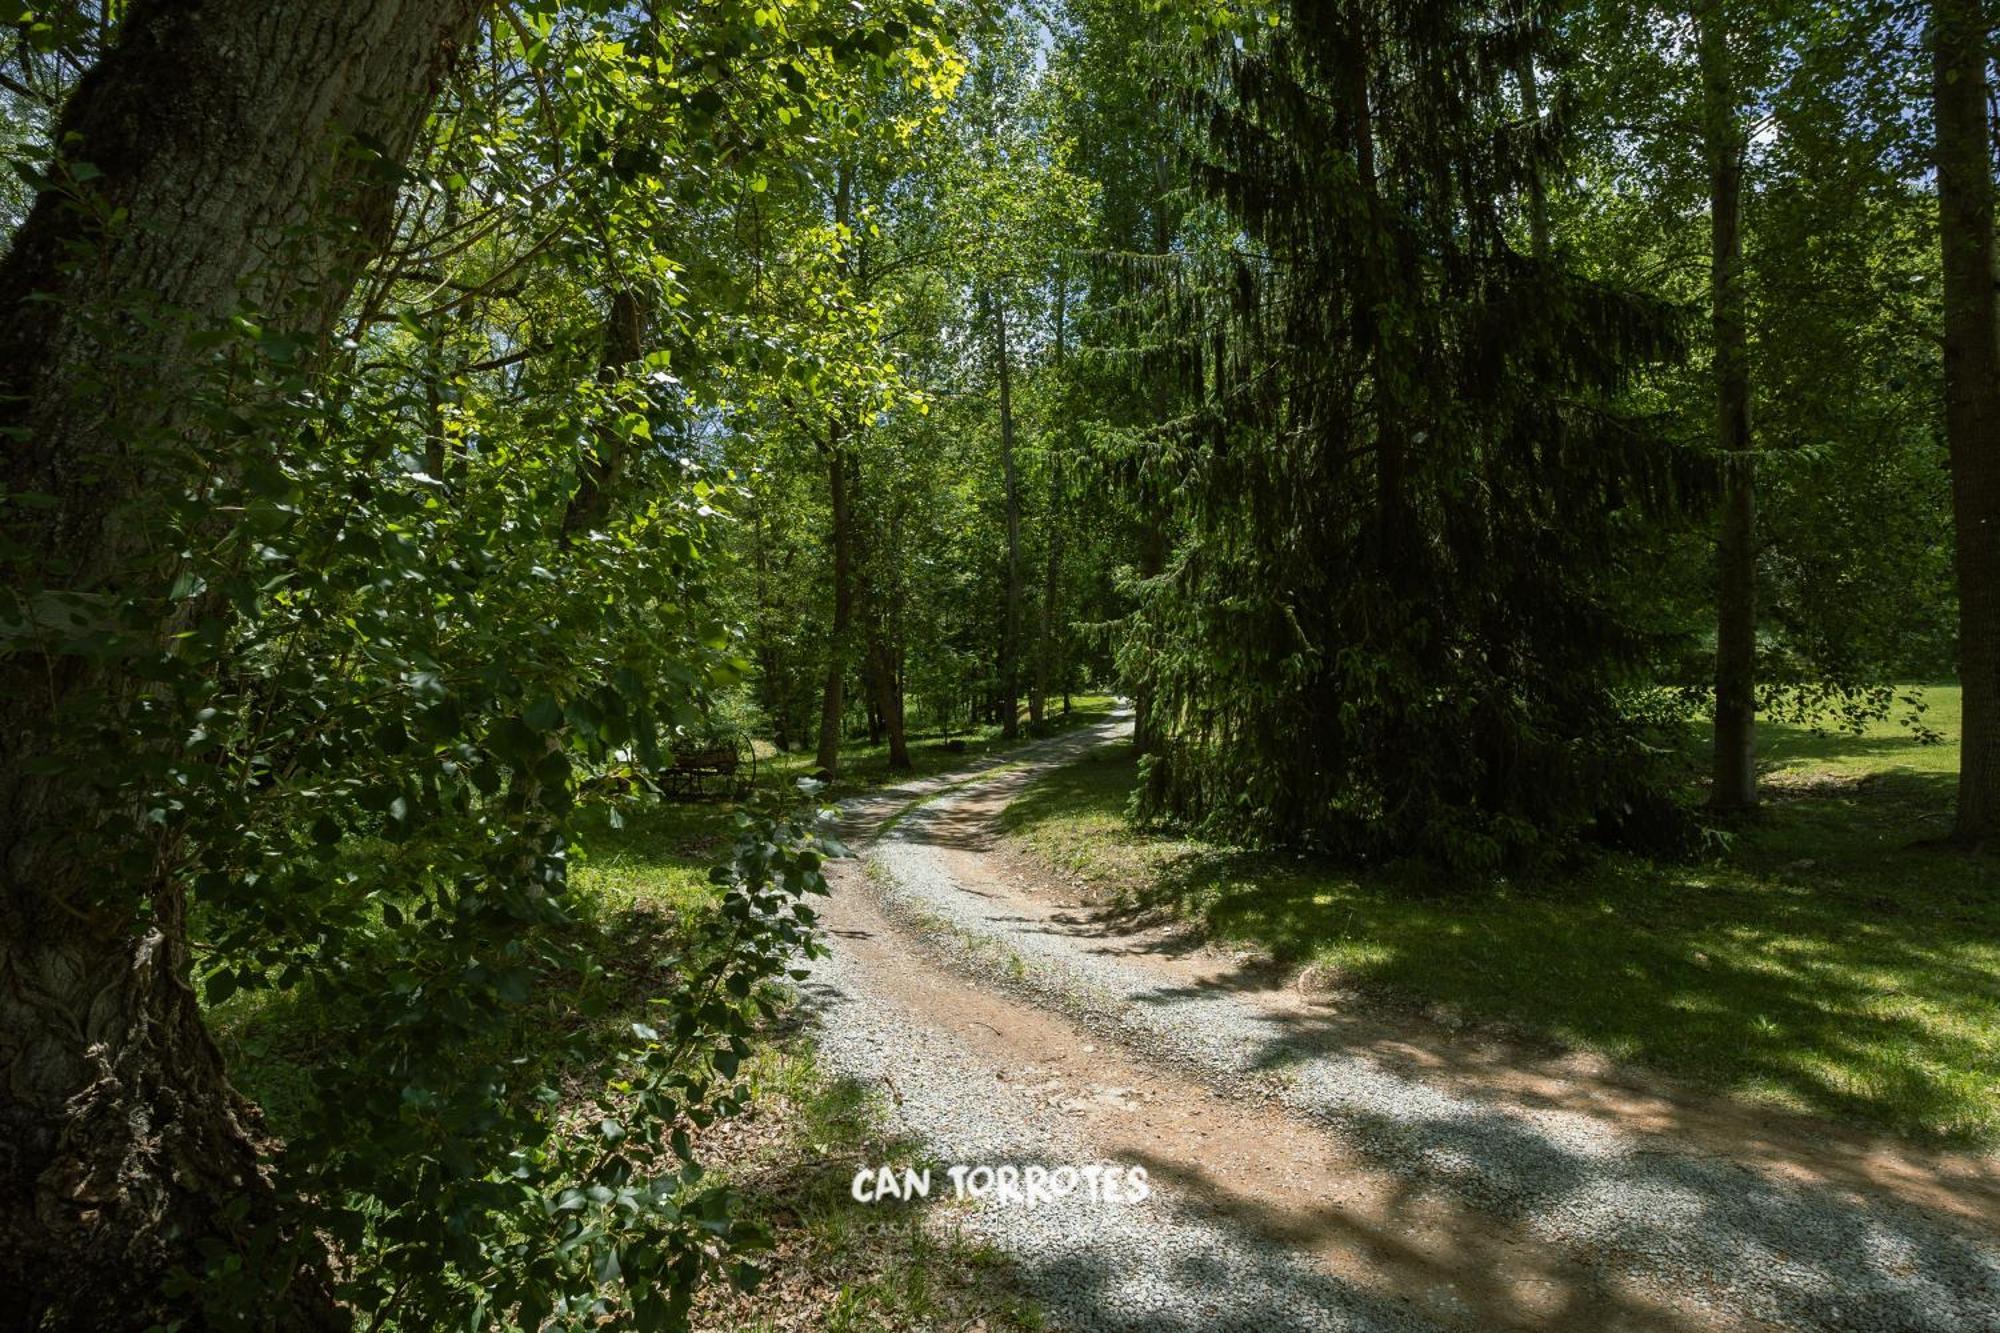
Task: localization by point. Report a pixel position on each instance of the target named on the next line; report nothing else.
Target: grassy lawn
(1822, 963)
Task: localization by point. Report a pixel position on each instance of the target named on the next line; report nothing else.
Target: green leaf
(544, 714)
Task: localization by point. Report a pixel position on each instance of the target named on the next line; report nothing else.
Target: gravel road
(1661, 1236)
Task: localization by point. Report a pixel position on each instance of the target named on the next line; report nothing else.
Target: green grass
(1824, 962)
(1886, 749)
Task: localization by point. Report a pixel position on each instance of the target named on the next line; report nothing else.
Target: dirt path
(1316, 1166)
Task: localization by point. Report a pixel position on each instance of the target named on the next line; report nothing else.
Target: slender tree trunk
(1010, 629)
(589, 506)
(437, 457)
(1048, 661)
(436, 460)
(887, 683)
(1531, 113)
(1155, 540)
(1960, 43)
(833, 698)
(1047, 636)
(885, 652)
(223, 138)
(622, 346)
(438, 452)
(773, 682)
(1153, 552)
(1736, 600)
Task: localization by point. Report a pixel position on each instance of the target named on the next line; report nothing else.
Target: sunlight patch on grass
(1887, 747)
(1822, 963)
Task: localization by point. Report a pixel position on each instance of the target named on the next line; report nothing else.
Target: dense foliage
(415, 590)
(1405, 475)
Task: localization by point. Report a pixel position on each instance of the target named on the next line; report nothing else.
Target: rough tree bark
(226, 133)
(1960, 41)
(1736, 598)
(1010, 625)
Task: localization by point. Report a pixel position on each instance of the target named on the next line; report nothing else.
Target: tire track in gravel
(1309, 1173)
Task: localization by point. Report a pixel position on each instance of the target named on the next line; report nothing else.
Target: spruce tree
(1406, 477)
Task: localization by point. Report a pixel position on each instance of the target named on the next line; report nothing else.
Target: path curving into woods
(1314, 1164)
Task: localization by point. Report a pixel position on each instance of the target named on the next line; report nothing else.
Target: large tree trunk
(1010, 627)
(223, 137)
(1736, 597)
(1960, 40)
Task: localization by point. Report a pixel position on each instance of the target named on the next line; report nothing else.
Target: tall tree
(200, 150)
(1961, 38)
(1386, 633)
(840, 497)
(1048, 630)
(1527, 38)
(840, 494)
(1724, 146)
(1010, 472)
